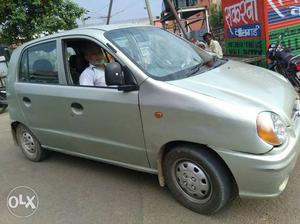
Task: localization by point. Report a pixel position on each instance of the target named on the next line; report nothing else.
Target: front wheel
(198, 179)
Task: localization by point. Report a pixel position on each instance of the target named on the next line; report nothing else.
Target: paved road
(74, 190)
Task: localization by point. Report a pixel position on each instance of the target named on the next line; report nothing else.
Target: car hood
(245, 85)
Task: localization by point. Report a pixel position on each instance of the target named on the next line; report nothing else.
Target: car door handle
(26, 101)
(77, 108)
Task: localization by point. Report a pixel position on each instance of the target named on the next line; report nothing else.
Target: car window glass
(70, 51)
(77, 62)
(39, 64)
(123, 42)
(162, 55)
(23, 74)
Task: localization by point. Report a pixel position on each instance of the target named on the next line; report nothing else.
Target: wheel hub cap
(192, 180)
(28, 142)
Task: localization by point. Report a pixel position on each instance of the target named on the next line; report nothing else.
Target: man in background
(213, 45)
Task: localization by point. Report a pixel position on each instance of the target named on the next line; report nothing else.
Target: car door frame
(45, 134)
(140, 166)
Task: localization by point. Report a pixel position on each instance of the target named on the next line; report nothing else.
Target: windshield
(161, 55)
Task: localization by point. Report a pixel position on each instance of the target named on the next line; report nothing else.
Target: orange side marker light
(158, 114)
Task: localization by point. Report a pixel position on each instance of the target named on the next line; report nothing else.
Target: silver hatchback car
(209, 128)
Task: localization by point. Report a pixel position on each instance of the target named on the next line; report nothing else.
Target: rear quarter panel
(15, 111)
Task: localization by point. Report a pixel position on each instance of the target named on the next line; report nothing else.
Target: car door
(104, 122)
(39, 91)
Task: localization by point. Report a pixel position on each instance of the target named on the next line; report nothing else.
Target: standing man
(213, 45)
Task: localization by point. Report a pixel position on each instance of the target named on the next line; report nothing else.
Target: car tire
(198, 178)
(29, 144)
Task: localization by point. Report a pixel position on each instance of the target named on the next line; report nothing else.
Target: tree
(216, 18)
(23, 20)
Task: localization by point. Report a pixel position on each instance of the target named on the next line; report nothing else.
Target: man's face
(207, 39)
(95, 57)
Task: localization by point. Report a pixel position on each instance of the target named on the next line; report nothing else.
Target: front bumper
(260, 176)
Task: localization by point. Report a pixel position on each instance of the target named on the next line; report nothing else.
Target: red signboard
(243, 19)
(284, 20)
(282, 13)
(250, 25)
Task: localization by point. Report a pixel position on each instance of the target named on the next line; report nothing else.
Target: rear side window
(39, 64)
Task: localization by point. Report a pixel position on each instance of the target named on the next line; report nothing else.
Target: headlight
(271, 128)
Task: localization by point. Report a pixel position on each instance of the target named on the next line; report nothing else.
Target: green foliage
(23, 20)
(216, 18)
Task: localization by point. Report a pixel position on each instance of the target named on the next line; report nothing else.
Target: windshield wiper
(194, 70)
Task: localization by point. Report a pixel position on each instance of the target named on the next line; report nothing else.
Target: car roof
(112, 27)
(81, 30)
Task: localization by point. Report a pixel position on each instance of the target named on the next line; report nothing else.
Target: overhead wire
(132, 5)
(99, 10)
(126, 8)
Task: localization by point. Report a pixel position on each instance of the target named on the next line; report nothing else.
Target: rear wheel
(198, 179)
(29, 144)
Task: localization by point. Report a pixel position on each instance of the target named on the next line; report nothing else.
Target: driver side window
(85, 62)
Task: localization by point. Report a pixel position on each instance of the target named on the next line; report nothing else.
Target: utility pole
(109, 12)
(173, 10)
(149, 11)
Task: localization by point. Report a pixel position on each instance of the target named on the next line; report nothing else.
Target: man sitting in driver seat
(94, 74)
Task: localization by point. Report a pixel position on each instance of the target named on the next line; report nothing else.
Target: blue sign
(252, 30)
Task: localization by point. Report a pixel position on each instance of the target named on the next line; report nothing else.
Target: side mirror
(114, 75)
